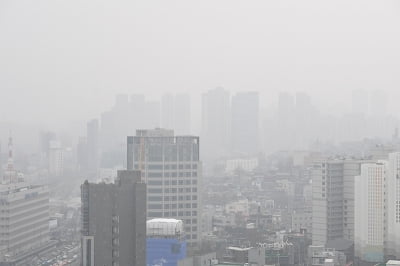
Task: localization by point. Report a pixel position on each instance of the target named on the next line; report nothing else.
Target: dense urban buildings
(171, 168)
(114, 221)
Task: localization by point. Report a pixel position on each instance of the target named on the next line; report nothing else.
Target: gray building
(245, 124)
(333, 199)
(172, 170)
(114, 221)
(215, 123)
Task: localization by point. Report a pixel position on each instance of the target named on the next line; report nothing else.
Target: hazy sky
(65, 60)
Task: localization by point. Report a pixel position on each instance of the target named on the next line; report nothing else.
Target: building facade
(114, 221)
(333, 199)
(171, 168)
(393, 206)
(24, 222)
(369, 229)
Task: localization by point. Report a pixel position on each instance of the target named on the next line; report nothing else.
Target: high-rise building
(369, 214)
(171, 168)
(182, 114)
(56, 158)
(215, 123)
(167, 111)
(245, 120)
(285, 123)
(175, 113)
(393, 205)
(333, 199)
(92, 137)
(166, 243)
(45, 138)
(114, 221)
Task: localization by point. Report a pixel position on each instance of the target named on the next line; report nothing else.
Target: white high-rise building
(369, 212)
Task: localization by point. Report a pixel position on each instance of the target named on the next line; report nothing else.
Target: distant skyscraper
(128, 114)
(333, 199)
(182, 114)
(245, 123)
(215, 123)
(45, 138)
(369, 214)
(172, 171)
(114, 221)
(56, 158)
(167, 111)
(81, 155)
(285, 123)
(175, 113)
(151, 115)
(92, 137)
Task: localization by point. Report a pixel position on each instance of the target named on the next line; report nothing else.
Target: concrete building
(114, 221)
(171, 168)
(24, 222)
(333, 199)
(166, 244)
(369, 220)
(245, 124)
